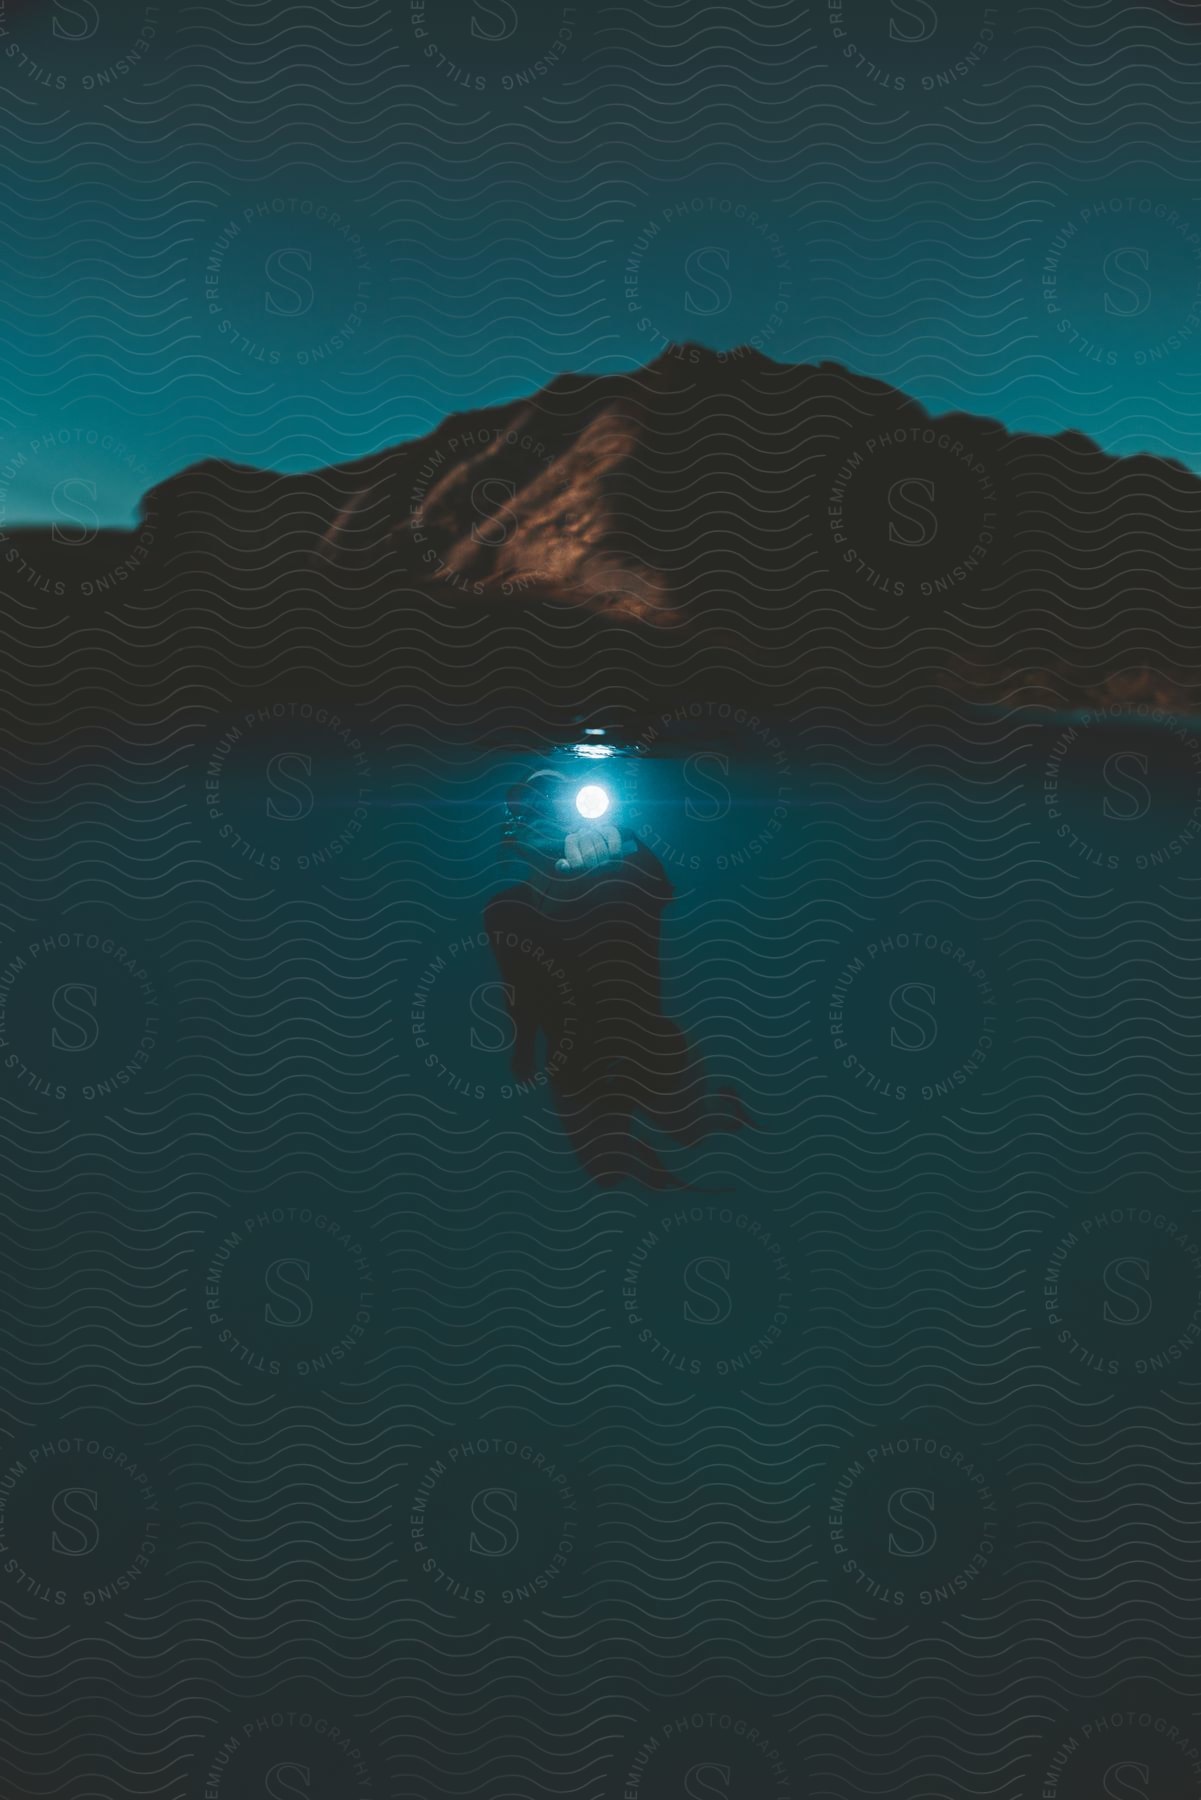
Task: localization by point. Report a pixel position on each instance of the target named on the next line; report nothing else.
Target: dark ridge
(712, 523)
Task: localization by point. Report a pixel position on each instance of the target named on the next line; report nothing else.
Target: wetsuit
(586, 972)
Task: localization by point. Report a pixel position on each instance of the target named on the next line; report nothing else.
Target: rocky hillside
(709, 521)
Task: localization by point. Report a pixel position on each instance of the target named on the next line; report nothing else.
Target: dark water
(337, 1389)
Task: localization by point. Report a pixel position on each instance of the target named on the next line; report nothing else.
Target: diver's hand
(591, 848)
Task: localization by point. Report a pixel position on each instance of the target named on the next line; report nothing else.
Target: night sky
(292, 234)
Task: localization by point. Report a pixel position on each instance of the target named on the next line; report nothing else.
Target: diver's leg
(675, 1095)
(598, 1118)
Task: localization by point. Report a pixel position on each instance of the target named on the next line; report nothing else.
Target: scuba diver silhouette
(594, 905)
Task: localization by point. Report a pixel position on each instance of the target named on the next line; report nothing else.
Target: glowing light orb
(592, 802)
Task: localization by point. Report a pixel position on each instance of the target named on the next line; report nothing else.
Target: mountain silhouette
(712, 523)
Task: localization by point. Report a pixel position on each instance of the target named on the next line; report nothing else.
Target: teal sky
(293, 245)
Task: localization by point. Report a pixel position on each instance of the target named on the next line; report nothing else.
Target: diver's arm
(646, 868)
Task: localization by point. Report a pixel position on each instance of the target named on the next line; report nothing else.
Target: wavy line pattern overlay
(781, 417)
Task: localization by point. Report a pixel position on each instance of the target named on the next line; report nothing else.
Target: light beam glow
(592, 802)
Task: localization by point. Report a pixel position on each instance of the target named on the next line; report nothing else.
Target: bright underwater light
(592, 802)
